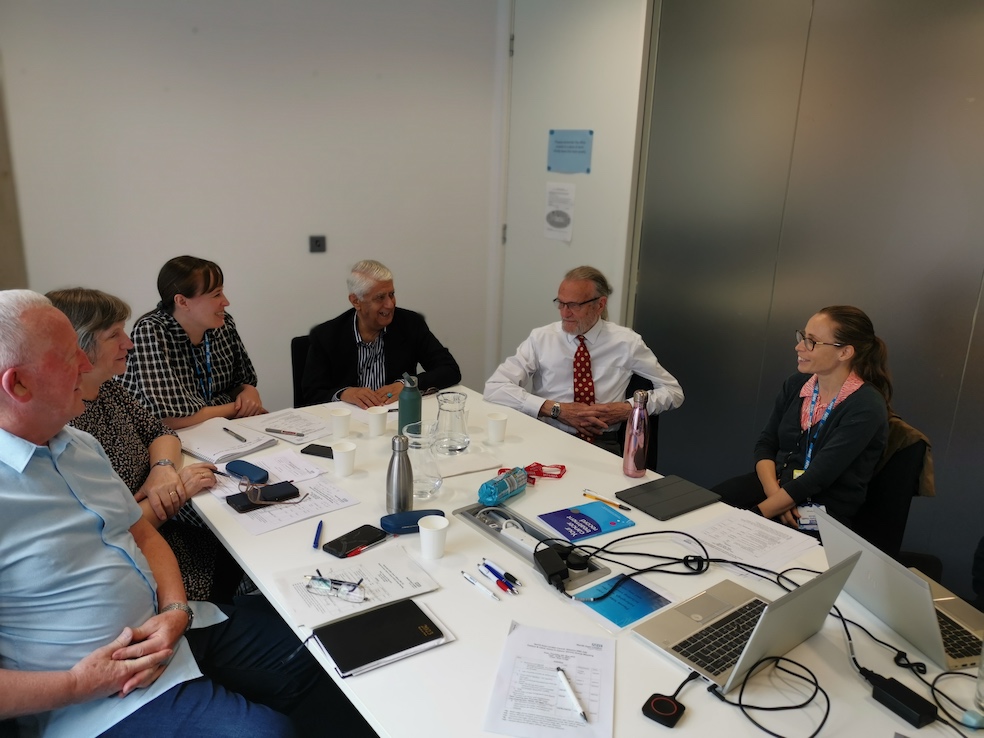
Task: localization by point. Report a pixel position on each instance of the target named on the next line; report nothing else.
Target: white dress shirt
(542, 369)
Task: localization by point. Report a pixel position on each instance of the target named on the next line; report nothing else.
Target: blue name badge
(808, 516)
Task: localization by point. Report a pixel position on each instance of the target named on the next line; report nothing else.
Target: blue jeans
(202, 707)
(251, 682)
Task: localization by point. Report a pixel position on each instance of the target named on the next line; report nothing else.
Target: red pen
(504, 586)
(360, 549)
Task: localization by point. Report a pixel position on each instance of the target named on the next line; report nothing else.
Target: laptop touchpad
(703, 608)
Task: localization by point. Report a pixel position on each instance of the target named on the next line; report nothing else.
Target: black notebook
(370, 639)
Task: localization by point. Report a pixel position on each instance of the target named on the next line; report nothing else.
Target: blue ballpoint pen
(502, 573)
(491, 573)
(317, 535)
(502, 584)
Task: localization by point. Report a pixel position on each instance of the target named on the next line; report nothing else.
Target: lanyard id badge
(808, 516)
(813, 437)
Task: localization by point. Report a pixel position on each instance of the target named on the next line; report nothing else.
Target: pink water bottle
(636, 436)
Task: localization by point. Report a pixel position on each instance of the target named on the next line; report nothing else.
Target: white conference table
(445, 691)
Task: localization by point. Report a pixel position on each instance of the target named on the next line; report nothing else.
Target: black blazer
(332, 360)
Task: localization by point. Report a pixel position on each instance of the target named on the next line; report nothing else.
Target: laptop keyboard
(958, 642)
(717, 647)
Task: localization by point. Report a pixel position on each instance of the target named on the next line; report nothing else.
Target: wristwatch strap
(183, 606)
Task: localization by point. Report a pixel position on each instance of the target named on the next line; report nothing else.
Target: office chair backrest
(885, 512)
(298, 358)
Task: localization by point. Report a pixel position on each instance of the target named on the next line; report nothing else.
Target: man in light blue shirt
(92, 609)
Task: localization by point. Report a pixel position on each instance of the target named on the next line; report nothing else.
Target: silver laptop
(725, 630)
(937, 622)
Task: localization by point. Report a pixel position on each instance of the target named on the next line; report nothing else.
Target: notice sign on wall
(558, 221)
(569, 151)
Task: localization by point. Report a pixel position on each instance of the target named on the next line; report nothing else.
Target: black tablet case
(667, 497)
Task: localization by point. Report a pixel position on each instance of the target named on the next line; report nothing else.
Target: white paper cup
(340, 418)
(497, 427)
(344, 453)
(433, 533)
(377, 420)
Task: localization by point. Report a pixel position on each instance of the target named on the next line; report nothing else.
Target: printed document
(308, 426)
(740, 535)
(529, 700)
(387, 575)
(322, 497)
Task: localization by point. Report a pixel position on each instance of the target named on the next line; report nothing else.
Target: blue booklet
(629, 603)
(586, 521)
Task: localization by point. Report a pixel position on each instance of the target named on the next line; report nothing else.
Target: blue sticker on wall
(569, 151)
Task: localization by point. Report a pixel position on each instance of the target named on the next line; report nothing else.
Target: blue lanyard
(809, 422)
(205, 384)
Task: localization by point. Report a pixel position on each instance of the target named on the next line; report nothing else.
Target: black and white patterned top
(174, 379)
(125, 430)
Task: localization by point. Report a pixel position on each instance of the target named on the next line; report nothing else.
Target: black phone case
(272, 492)
(279, 491)
(345, 544)
(315, 449)
(240, 503)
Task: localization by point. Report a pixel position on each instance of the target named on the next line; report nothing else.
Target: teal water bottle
(409, 404)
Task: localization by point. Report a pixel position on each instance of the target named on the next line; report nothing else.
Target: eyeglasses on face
(812, 344)
(254, 493)
(573, 305)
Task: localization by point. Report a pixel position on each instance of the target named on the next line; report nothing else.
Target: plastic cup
(340, 418)
(497, 427)
(377, 420)
(344, 453)
(433, 534)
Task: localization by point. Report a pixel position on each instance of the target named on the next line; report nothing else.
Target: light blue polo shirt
(71, 575)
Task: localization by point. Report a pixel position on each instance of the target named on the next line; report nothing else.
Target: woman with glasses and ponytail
(828, 427)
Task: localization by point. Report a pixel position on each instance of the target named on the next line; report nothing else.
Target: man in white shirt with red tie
(574, 373)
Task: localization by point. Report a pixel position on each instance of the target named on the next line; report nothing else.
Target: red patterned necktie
(583, 381)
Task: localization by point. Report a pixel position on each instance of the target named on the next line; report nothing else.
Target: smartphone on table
(271, 493)
(344, 545)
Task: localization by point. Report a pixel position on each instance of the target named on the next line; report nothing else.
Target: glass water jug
(452, 434)
(420, 443)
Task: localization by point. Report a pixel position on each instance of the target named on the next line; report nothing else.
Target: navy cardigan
(845, 452)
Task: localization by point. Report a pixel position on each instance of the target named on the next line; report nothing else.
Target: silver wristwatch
(164, 462)
(183, 606)
(555, 411)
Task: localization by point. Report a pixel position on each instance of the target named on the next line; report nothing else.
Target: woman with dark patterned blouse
(144, 452)
(188, 364)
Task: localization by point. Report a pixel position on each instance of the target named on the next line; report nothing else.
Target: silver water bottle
(399, 478)
(636, 436)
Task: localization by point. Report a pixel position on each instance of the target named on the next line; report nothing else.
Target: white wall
(234, 129)
(578, 64)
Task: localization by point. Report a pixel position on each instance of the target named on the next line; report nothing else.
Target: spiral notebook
(220, 440)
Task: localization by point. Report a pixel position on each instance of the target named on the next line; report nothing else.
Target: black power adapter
(900, 699)
(549, 563)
